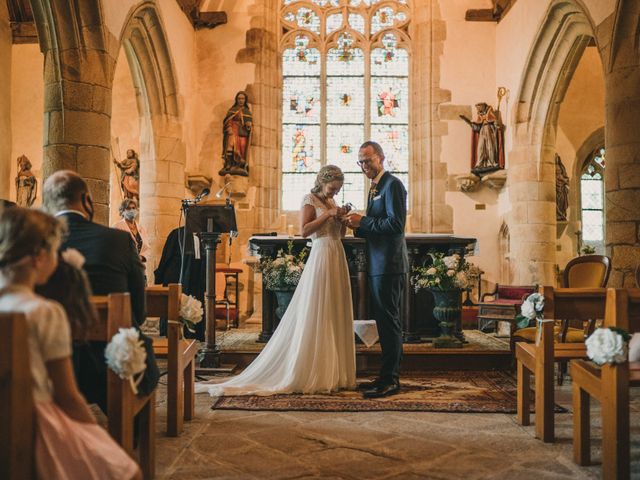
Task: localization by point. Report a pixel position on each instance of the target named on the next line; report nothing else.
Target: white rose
(125, 353)
(528, 310)
(190, 309)
(451, 261)
(437, 280)
(278, 261)
(451, 273)
(606, 346)
(431, 271)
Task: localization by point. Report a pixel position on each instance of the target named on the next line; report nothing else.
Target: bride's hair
(327, 174)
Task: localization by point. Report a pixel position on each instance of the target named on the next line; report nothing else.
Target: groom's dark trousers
(383, 229)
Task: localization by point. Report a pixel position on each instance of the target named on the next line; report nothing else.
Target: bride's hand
(332, 213)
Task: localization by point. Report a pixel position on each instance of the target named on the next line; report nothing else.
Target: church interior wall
(27, 105)
(5, 100)
(467, 70)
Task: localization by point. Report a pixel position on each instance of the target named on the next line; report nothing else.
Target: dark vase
(284, 298)
(448, 313)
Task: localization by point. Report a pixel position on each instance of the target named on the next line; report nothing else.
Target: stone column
(622, 174)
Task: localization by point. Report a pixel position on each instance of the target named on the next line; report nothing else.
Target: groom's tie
(373, 190)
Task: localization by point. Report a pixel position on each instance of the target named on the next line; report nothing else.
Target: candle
(579, 226)
(290, 230)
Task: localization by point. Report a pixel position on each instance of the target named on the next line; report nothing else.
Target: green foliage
(284, 271)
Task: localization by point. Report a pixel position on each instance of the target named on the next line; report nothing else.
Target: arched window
(592, 198)
(345, 79)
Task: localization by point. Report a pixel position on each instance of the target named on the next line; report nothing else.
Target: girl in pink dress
(68, 442)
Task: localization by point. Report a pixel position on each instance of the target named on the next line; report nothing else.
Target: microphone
(197, 199)
(219, 192)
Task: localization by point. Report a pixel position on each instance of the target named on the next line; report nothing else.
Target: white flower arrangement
(284, 271)
(608, 345)
(126, 356)
(73, 257)
(532, 308)
(444, 273)
(191, 311)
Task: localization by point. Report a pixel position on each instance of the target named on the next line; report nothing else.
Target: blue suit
(387, 263)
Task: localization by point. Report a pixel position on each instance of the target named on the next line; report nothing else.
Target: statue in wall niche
(487, 140)
(562, 191)
(236, 137)
(129, 175)
(26, 183)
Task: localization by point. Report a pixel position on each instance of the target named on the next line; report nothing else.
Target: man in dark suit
(383, 229)
(112, 264)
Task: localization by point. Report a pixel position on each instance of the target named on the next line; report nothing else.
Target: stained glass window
(592, 198)
(345, 80)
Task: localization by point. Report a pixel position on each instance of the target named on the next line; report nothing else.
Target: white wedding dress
(312, 350)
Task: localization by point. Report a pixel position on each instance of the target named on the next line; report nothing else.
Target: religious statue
(562, 191)
(236, 137)
(26, 183)
(487, 140)
(129, 175)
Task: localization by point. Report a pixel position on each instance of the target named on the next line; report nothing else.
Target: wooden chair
(608, 384)
(16, 400)
(179, 352)
(504, 306)
(538, 359)
(227, 308)
(114, 312)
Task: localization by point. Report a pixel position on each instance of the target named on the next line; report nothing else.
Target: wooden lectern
(208, 222)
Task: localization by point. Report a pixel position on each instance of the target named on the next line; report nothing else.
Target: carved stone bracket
(467, 182)
(495, 180)
(197, 182)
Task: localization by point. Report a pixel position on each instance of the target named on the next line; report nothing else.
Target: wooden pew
(608, 384)
(123, 405)
(179, 352)
(538, 359)
(16, 400)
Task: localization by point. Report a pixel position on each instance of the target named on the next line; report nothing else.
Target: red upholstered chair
(227, 307)
(504, 306)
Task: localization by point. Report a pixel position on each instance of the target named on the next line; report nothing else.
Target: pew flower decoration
(73, 257)
(190, 312)
(284, 271)
(608, 345)
(532, 308)
(444, 273)
(126, 356)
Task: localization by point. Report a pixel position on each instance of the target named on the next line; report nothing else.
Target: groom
(383, 229)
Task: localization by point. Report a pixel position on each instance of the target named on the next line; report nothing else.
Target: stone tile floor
(373, 445)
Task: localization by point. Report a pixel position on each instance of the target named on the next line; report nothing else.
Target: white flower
(606, 346)
(278, 261)
(437, 280)
(431, 271)
(190, 309)
(73, 257)
(451, 273)
(125, 355)
(451, 261)
(533, 305)
(462, 280)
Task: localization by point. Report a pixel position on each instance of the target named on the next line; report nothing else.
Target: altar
(419, 324)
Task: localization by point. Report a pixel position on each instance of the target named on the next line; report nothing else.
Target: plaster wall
(27, 105)
(5, 101)
(219, 78)
(467, 70)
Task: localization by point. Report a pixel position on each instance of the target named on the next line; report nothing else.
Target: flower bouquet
(445, 273)
(126, 356)
(191, 312)
(608, 345)
(532, 308)
(283, 272)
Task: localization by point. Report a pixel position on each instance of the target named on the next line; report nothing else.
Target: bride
(312, 350)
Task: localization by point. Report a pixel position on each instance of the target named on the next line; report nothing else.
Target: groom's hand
(353, 220)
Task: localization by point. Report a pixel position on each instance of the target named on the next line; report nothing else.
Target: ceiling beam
(199, 19)
(495, 14)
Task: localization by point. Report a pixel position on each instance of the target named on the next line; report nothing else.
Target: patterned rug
(455, 391)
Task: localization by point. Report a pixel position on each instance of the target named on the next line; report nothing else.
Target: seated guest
(113, 266)
(129, 213)
(68, 442)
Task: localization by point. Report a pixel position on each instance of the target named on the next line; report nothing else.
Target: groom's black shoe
(369, 385)
(382, 390)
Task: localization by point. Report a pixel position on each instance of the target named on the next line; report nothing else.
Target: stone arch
(163, 152)
(78, 68)
(564, 34)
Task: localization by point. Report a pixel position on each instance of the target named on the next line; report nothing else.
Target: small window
(592, 198)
